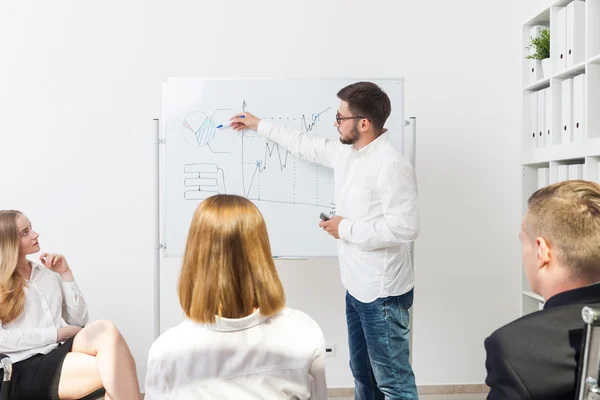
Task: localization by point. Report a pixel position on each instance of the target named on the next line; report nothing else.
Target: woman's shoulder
(296, 314)
(298, 318)
(174, 338)
(295, 326)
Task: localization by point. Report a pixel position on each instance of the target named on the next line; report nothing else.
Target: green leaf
(540, 44)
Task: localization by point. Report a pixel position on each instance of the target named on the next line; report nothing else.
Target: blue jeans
(378, 336)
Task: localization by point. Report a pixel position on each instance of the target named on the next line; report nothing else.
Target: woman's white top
(255, 357)
(48, 301)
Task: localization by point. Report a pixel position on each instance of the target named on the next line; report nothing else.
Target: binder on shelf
(560, 58)
(563, 173)
(575, 172)
(541, 118)
(575, 38)
(548, 141)
(533, 119)
(579, 108)
(567, 111)
(543, 177)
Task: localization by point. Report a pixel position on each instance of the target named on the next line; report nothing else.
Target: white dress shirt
(376, 194)
(255, 357)
(48, 301)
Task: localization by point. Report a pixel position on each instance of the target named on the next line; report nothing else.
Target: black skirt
(38, 376)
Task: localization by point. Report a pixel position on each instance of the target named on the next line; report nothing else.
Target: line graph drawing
(198, 129)
(261, 165)
(281, 155)
(203, 180)
(268, 171)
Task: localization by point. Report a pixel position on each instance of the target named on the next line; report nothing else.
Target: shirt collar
(237, 324)
(374, 145)
(583, 295)
(35, 269)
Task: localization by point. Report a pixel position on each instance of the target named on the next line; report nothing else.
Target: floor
(480, 396)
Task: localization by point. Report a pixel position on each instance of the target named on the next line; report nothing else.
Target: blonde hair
(12, 293)
(227, 267)
(567, 216)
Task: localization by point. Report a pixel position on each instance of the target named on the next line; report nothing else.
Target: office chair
(589, 362)
(6, 382)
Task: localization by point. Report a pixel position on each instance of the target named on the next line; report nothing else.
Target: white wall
(80, 83)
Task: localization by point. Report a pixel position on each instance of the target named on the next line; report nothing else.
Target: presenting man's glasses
(339, 118)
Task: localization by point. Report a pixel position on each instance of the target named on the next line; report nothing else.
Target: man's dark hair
(368, 100)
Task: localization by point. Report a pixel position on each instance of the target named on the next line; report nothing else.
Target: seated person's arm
(157, 379)
(317, 372)
(74, 308)
(12, 340)
(504, 382)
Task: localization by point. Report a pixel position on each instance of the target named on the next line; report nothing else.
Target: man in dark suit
(537, 356)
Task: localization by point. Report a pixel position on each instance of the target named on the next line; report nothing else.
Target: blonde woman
(53, 360)
(238, 341)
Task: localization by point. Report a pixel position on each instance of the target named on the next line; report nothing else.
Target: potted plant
(539, 49)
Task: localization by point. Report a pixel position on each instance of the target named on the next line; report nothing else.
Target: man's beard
(354, 136)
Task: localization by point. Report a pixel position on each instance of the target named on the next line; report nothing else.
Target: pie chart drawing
(198, 129)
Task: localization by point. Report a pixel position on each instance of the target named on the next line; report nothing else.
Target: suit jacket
(537, 356)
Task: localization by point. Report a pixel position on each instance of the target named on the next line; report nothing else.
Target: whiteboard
(201, 160)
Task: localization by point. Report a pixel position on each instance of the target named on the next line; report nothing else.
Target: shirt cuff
(71, 290)
(48, 336)
(70, 286)
(345, 229)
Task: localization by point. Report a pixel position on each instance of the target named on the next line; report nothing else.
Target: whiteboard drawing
(203, 180)
(270, 173)
(202, 160)
(198, 129)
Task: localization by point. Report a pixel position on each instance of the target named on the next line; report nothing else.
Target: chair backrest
(6, 365)
(98, 394)
(588, 385)
(7, 372)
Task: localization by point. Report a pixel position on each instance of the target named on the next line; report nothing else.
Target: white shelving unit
(555, 146)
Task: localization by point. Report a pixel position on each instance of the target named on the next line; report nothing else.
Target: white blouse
(254, 357)
(49, 302)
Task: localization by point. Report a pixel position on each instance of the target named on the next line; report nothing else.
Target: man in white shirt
(378, 219)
